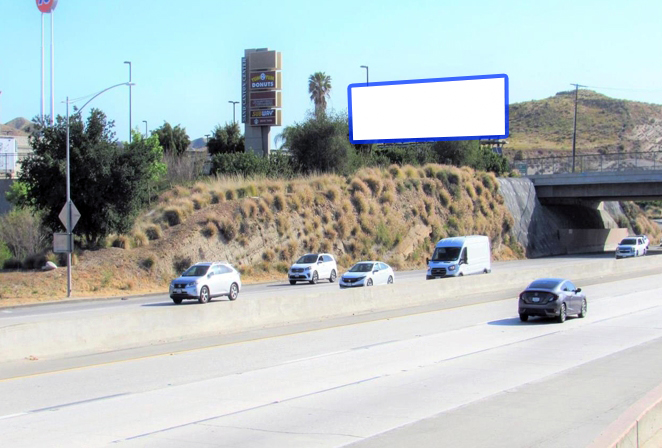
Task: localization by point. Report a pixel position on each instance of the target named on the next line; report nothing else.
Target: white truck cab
(458, 256)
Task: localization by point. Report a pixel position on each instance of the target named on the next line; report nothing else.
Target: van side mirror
(427, 261)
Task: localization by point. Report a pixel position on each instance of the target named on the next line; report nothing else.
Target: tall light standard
(366, 74)
(574, 126)
(69, 207)
(130, 128)
(234, 103)
(145, 121)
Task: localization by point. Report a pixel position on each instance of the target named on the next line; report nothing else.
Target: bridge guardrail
(591, 163)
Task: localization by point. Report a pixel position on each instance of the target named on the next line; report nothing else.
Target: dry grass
(395, 214)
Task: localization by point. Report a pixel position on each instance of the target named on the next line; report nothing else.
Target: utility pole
(574, 126)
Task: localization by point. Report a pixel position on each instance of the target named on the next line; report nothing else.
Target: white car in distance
(367, 273)
(204, 281)
(312, 267)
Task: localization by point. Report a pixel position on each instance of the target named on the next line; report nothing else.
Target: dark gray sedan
(552, 297)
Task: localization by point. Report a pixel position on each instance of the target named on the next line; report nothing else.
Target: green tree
(320, 144)
(319, 87)
(109, 181)
(173, 140)
(226, 139)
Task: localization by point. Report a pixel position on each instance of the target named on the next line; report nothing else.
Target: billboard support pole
(42, 68)
(52, 71)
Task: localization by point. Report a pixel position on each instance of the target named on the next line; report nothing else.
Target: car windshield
(361, 267)
(446, 253)
(544, 284)
(195, 271)
(307, 259)
(629, 242)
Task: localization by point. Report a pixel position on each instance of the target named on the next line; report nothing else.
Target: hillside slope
(261, 226)
(603, 124)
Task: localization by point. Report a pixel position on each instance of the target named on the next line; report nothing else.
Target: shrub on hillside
(320, 144)
(228, 229)
(22, 232)
(5, 253)
(249, 164)
(153, 232)
(121, 241)
(12, 263)
(181, 263)
(173, 216)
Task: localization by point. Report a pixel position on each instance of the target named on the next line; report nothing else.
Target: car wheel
(369, 282)
(177, 301)
(582, 313)
(523, 317)
(315, 278)
(204, 295)
(333, 276)
(562, 314)
(390, 280)
(293, 282)
(234, 292)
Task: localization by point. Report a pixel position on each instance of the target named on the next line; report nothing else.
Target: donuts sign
(46, 6)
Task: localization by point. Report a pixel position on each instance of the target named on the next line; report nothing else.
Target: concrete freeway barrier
(640, 426)
(111, 330)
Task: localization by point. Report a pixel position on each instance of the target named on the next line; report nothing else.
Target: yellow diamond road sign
(75, 215)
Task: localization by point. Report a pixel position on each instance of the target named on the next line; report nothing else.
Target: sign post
(64, 242)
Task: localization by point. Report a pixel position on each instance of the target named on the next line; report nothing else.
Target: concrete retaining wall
(538, 227)
(638, 427)
(591, 240)
(111, 330)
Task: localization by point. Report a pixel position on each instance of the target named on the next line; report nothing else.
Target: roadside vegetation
(150, 209)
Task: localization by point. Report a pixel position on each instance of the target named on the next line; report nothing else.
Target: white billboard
(8, 154)
(460, 108)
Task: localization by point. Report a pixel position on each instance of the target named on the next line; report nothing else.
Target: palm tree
(319, 87)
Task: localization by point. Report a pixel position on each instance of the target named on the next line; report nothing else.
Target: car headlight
(191, 283)
(306, 268)
(360, 279)
(451, 268)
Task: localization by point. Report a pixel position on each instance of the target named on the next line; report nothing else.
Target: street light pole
(145, 121)
(68, 203)
(130, 129)
(574, 126)
(234, 103)
(366, 74)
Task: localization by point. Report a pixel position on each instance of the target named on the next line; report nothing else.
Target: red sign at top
(46, 6)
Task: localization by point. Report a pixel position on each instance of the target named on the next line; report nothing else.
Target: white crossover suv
(312, 267)
(204, 281)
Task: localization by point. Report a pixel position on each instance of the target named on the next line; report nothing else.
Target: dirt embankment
(261, 226)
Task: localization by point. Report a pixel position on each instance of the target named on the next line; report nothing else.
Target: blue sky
(186, 54)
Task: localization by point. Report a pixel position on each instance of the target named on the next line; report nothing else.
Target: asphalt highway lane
(434, 378)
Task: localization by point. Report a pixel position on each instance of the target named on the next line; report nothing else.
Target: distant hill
(17, 127)
(603, 124)
(198, 143)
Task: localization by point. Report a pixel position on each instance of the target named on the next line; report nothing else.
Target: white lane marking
(2, 417)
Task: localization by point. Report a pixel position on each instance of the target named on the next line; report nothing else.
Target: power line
(623, 88)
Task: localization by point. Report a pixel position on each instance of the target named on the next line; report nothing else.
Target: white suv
(204, 281)
(312, 267)
(631, 246)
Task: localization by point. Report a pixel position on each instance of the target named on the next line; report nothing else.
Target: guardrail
(591, 163)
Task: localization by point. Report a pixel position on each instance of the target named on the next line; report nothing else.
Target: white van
(461, 255)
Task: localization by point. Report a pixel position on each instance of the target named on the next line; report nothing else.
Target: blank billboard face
(461, 108)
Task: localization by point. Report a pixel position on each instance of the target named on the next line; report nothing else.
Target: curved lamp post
(68, 204)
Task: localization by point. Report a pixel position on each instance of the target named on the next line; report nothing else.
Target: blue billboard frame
(421, 81)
